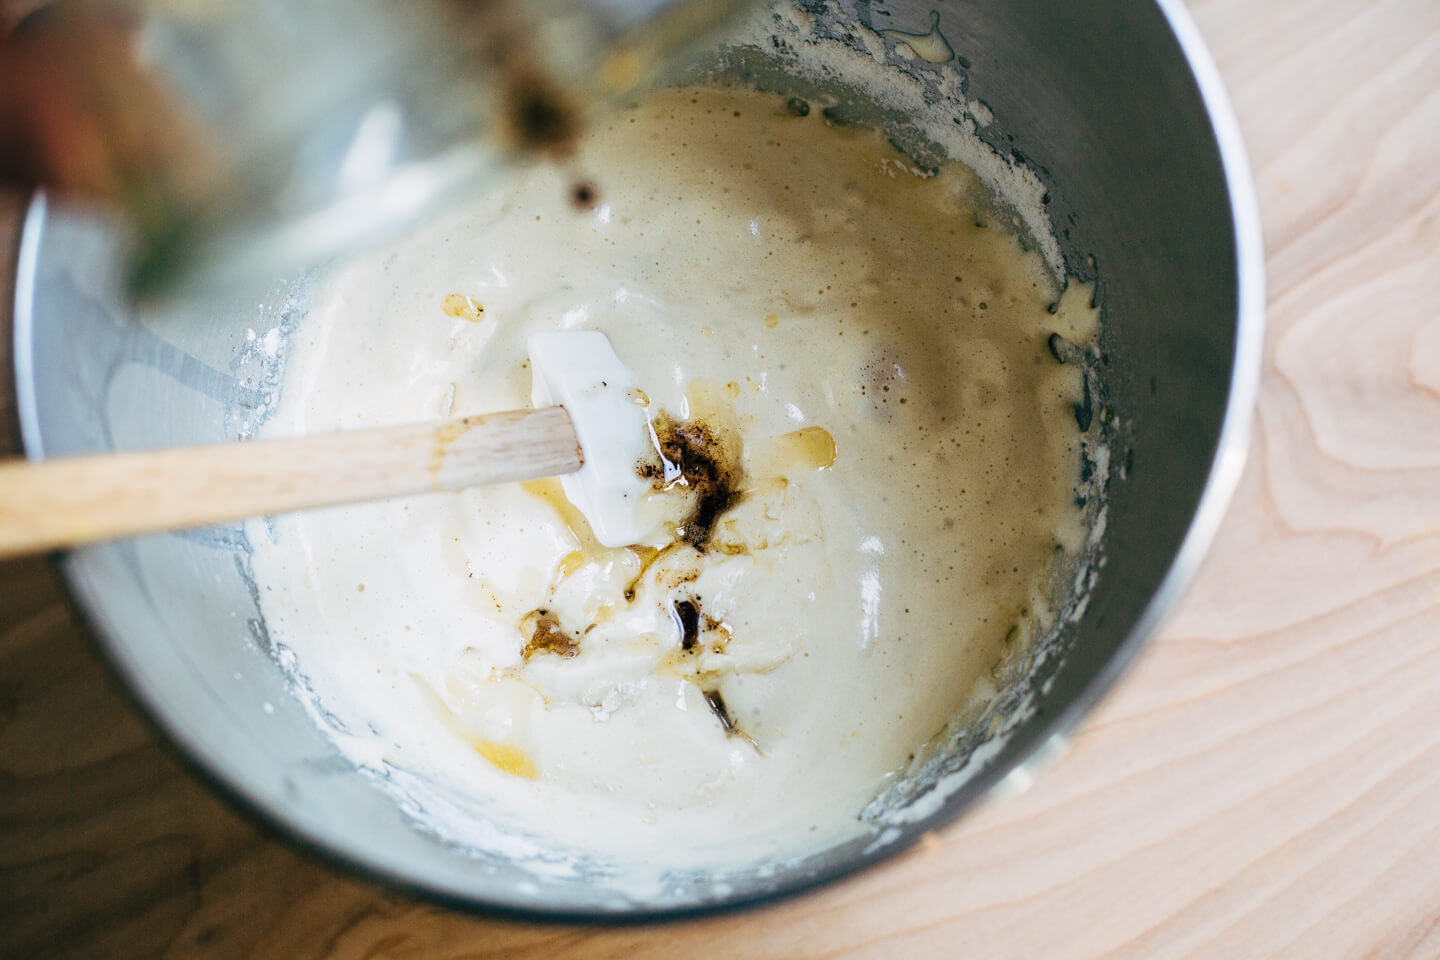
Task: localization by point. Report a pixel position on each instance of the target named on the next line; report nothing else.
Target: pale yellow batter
(897, 460)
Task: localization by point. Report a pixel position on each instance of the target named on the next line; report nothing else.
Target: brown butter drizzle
(546, 635)
(703, 459)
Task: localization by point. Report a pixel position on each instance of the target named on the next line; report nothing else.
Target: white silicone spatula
(596, 437)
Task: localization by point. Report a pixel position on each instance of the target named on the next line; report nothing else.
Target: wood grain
(1266, 781)
(72, 500)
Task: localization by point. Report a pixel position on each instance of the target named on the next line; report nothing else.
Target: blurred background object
(244, 139)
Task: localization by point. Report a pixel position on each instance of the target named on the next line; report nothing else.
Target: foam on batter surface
(866, 473)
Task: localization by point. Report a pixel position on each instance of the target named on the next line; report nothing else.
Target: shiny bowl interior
(1116, 107)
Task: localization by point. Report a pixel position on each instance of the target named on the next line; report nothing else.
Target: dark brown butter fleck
(583, 195)
(687, 616)
(722, 713)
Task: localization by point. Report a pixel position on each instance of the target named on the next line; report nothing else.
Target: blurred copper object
(243, 140)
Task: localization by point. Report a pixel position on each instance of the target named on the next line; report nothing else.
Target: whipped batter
(861, 364)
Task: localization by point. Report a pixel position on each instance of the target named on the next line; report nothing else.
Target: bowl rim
(1227, 465)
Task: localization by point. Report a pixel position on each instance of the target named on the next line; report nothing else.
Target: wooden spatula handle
(71, 500)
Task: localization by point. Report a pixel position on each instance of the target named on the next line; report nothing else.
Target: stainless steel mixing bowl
(1118, 108)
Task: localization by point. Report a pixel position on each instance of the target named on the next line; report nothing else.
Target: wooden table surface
(1265, 781)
